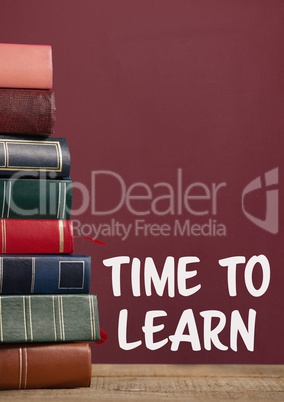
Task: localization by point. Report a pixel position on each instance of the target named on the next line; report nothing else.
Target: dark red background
(144, 88)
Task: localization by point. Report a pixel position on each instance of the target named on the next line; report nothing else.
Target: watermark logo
(271, 221)
(178, 207)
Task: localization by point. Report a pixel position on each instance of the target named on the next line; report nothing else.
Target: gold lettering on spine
(61, 236)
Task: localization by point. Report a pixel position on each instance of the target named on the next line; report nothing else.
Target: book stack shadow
(47, 314)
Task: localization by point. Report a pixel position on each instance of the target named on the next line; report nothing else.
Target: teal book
(49, 318)
(25, 198)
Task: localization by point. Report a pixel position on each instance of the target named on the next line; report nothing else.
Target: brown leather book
(49, 365)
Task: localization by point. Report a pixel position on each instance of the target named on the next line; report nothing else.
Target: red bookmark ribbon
(101, 243)
(104, 337)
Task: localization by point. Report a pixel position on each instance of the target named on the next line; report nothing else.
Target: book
(29, 198)
(36, 236)
(21, 157)
(45, 274)
(26, 66)
(52, 365)
(49, 318)
(27, 111)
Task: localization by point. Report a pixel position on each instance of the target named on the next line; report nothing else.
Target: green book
(40, 198)
(49, 318)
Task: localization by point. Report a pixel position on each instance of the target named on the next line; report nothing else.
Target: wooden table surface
(169, 383)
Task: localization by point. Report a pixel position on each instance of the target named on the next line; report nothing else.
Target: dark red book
(27, 111)
(54, 365)
(36, 236)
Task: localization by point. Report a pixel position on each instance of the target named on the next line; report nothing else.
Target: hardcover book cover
(49, 318)
(51, 365)
(27, 111)
(39, 198)
(36, 236)
(44, 274)
(21, 157)
(26, 66)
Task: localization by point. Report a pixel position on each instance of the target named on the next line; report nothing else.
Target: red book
(53, 365)
(27, 111)
(36, 236)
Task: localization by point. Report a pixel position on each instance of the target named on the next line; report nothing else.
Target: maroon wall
(148, 90)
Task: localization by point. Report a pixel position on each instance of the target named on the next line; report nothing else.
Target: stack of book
(47, 316)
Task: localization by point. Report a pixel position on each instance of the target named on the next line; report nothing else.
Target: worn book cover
(27, 111)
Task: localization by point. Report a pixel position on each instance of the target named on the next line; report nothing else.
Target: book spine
(45, 274)
(36, 236)
(34, 366)
(20, 157)
(35, 198)
(26, 66)
(49, 318)
(27, 111)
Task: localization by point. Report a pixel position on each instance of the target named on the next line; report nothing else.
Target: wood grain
(170, 382)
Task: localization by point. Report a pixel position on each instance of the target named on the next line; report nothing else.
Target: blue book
(21, 157)
(44, 274)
